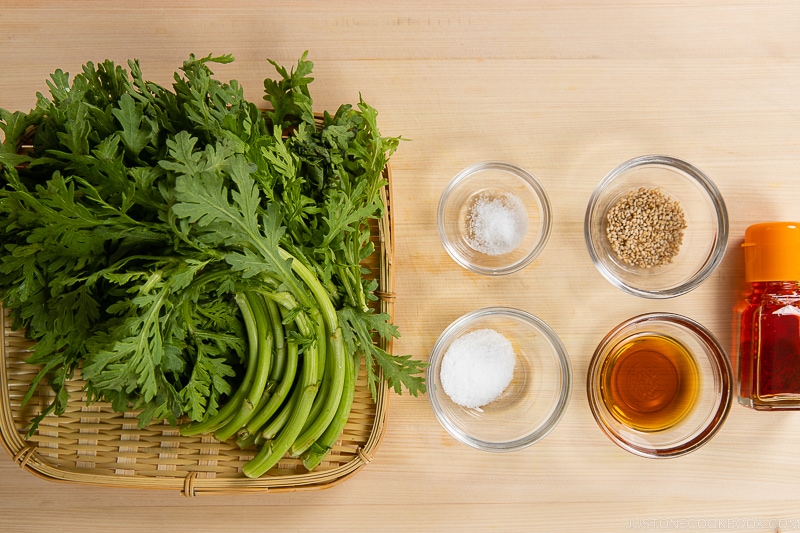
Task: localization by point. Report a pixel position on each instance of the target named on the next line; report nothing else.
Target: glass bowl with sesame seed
(656, 227)
(494, 218)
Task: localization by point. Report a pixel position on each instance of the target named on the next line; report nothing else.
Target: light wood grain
(566, 89)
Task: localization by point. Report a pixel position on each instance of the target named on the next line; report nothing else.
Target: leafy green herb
(173, 243)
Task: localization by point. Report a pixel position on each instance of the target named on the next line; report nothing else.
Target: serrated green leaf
(141, 210)
(136, 129)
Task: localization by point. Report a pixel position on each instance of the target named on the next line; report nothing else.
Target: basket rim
(28, 456)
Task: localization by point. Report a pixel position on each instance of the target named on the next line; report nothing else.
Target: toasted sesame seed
(645, 228)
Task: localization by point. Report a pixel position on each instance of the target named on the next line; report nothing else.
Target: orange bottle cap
(772, 252)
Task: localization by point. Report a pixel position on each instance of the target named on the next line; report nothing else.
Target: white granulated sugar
(496, 223)
(477, 368)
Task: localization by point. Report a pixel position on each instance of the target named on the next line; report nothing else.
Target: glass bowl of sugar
(499, 379)
(494, 218)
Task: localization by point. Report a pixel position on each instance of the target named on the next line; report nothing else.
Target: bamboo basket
(93, 445)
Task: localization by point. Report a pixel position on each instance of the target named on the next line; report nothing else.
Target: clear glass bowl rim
(708, 187)
(563, 362)
(719, 360)
(546, 216)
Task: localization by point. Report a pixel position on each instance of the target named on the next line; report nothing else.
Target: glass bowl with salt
(494, 218)
(499, 379)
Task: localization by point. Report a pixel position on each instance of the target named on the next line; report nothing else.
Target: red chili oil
(769, 327)
(770, 346)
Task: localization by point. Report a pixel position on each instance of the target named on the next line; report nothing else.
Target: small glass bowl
(712, 390)
(704, 238)
(493, 179)
(532, 404)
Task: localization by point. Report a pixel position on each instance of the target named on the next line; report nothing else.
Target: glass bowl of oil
(494, 218)
(660, 385)
(656, 227)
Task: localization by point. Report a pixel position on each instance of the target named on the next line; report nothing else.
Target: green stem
(281, 393)
(320, 449)
(279, 337)
(243, 437)
(246, 440)
(277, 422)
(215, 422)
(274, 450)
(321, 295)
(337, 379)
(331, 324)
(263, 335)
(322, 342)
(319, 400)
(353, 287)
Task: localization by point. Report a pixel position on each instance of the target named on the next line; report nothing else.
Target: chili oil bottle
(769, 328)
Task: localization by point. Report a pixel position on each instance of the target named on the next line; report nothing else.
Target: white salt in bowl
(494, 218)
(528, 408)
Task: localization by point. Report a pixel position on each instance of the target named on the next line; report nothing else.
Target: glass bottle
(769, 325)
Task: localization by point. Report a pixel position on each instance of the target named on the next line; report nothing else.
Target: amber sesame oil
(650, 382)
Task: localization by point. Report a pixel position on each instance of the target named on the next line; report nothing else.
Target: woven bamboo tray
(93, 445)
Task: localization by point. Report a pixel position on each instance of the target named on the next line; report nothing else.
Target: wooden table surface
(565, 89)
